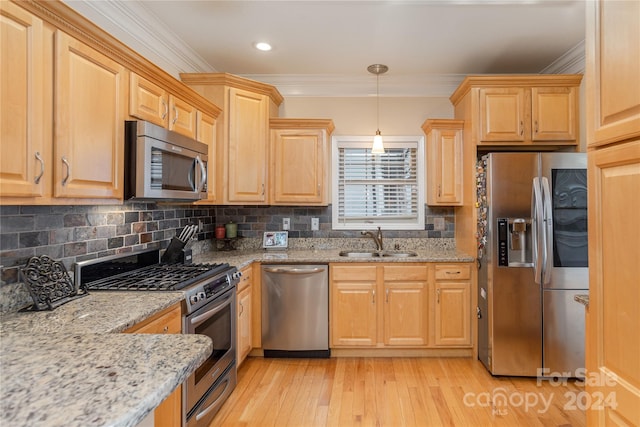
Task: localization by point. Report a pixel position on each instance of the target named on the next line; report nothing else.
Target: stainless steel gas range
(210, 309)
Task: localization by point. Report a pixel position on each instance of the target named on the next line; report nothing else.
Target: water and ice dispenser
(515, 242)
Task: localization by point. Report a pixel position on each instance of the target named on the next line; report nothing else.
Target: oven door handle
(204, 316)
(202, 414)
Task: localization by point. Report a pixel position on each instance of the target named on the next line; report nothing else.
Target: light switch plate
(315, 224)
(286, 223)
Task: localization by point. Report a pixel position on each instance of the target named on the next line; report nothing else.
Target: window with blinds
(371, 190)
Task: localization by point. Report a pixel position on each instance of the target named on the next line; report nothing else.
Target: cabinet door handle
(66, 178)
(373, 292)
(387, 295)
(39, 158)
(521, 128)
(452, 272)
(438, 296)
(175, 115)
(439, 190)
(263, 189)
(166, 109)
(241, 309)
(535, 126)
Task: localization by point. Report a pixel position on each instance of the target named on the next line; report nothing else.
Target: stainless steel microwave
(163, 165)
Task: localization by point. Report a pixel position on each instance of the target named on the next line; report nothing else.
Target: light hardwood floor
(394, 392)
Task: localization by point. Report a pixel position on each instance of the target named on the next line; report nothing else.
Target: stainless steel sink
(359, 254)
(373, 254)
(397, 254)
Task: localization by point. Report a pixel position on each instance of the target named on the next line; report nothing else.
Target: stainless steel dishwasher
(295, 310)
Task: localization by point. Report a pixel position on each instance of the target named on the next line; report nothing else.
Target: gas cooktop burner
(142, 271)
(162, 277)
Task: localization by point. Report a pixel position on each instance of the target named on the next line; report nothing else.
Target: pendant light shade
(378, 146)
(377, 69)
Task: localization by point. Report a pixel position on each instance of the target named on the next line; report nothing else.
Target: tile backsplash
(76, 233)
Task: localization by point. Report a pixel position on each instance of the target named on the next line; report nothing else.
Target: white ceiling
(323, 48)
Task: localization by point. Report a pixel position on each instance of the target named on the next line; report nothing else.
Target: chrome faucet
(377, 237)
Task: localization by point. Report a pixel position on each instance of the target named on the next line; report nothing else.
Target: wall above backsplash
(77, 233)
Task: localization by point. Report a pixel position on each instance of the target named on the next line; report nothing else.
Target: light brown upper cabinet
(444, 161)
(206, 133)
(50, 77)
(613, 104)
(149, 101)
(513, 112)
(90, 105)
(242, 133)
(299, 167)
(25, 151)
(65, 89)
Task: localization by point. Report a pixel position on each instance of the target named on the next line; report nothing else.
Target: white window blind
(378, 189)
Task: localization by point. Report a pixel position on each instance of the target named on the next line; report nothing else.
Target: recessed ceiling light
(263, 46)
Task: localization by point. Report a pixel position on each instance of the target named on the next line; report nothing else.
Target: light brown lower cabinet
(168, 321)
(243, 314)
(400, 305)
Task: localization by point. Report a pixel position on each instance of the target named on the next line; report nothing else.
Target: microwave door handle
(536, 224)
(547, 231)
(203, 174)
(191, 175)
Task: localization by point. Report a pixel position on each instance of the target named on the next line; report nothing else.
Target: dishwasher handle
(293, 270)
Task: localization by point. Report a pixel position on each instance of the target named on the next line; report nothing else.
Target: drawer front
(168, 323)
(453, 271)
(405, 272)
(358, 273)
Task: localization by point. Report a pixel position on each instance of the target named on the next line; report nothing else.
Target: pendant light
(377, 69)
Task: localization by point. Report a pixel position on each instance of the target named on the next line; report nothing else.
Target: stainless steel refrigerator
(532, 252)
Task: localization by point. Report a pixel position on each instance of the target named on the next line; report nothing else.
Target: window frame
(358, 141)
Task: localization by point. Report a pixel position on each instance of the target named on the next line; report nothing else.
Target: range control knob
(237, 275)
(195, 298)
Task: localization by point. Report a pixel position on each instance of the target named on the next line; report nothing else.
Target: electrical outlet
(315, 224)
(286, 223)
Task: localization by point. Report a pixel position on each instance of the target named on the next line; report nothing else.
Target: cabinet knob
(165, 329)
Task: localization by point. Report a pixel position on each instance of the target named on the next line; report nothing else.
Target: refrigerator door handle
(547, 232)
(536, 225)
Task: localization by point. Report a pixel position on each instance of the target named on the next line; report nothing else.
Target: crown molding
(312, 85)
(134, 25)
(571, 62)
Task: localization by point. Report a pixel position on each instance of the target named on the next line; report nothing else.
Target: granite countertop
(92, 379)
(70, 367)
(98, 312)
(241, 259)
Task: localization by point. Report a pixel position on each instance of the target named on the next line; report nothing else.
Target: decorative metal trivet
(49, 283)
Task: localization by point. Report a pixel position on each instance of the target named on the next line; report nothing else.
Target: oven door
(217, 320)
